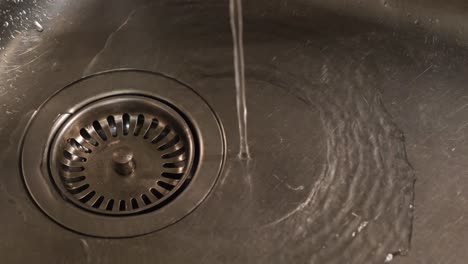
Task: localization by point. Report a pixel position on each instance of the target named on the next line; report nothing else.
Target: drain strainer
(122, 153)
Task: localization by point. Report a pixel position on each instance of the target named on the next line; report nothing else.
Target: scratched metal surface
(334, 93)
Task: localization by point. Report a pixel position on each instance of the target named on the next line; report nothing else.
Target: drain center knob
(123, 162)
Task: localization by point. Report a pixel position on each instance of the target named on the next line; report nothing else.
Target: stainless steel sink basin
(357, 113)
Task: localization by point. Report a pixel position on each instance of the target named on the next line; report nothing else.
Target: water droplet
(389, 258)
(38, 26)
(6, 24)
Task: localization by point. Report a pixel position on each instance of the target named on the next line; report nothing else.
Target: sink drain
(122, 153)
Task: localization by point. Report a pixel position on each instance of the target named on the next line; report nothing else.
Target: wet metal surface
(335, 96)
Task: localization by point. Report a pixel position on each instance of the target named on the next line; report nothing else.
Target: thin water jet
(235, 14)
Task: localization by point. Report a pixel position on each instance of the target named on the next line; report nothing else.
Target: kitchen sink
(121, 138)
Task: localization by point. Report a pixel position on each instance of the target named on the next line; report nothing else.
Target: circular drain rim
(105, 126)
(46, 121)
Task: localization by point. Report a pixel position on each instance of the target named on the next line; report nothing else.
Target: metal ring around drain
(123, 155)
(186, 151)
